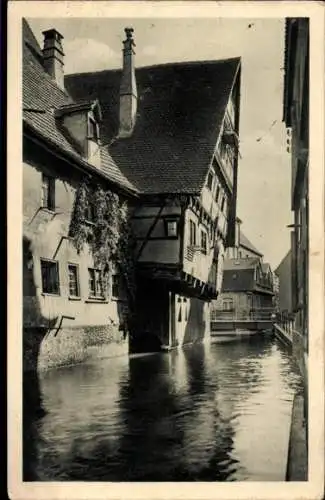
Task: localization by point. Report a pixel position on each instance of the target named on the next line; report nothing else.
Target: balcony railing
(258, 314)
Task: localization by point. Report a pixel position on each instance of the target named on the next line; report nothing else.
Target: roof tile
(181, 107)
(41, 97)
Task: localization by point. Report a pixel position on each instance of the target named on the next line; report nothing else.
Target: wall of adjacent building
(297, 118)
(65, 329)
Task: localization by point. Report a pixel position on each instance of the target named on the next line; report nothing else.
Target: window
(203, 242)
(217, 193)
(115, 286)
(48, 192)
(171, 228)
(50, 276)
(192, 233)
(93, 130)
(228, 304)
(222, 203)
(95, 283)
(90, 211)
(74, 289)
(210, 180)
(180, 313)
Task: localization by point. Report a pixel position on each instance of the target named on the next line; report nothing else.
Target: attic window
(93, 130)
(210, 180)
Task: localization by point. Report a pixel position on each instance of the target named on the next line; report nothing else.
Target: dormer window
(80, 122)
(93, 129)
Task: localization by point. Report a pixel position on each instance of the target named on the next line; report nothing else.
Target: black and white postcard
(166, 237)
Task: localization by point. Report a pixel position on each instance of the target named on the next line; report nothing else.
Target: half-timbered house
(173, 131)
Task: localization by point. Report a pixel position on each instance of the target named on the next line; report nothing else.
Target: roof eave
(251, 249)
(78, 164)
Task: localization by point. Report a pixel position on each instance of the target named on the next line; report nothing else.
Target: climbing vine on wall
(101, 220)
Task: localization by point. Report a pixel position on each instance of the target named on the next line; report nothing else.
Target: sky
(264, 177)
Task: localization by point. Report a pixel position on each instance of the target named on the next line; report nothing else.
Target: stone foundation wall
(44, 349)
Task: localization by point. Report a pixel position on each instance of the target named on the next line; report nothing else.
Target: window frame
(204, 239)
(90, 212)
(50, 192)
(223, 201)
(192, 233)
(225, 304)
(93, 129)
(96, 296)
(44, 260)
(211, 175)
(217, 193)
(168, 221)
(115, 296)
(76, 266)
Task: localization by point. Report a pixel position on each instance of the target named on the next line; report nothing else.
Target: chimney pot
(128, 88)
(53, 55)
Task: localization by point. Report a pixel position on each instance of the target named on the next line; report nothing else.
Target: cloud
(87, 54)
(149, 50)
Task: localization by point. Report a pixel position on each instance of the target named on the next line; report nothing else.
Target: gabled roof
(244, 241)
(42, 97)
(238, 275)
(180, 112)
(286, 258)
(240, 264)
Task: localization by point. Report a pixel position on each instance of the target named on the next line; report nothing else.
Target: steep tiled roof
(244, 241)
(30, 39)
(181, 107)
(41, 97)
(239, 264)
(241, 280)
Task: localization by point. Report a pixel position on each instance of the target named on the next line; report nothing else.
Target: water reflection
(198, 414)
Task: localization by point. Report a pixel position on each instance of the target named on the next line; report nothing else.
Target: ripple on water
(215, 413)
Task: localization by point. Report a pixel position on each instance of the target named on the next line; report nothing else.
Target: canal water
(217, 412)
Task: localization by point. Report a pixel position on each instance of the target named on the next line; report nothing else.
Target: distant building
(242, 247)
(276, 286)
(296, 118)
(247, 285)
(284, 276)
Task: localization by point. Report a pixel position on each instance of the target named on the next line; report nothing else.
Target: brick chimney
(53, 56)
(128, 88)
(237, 233)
